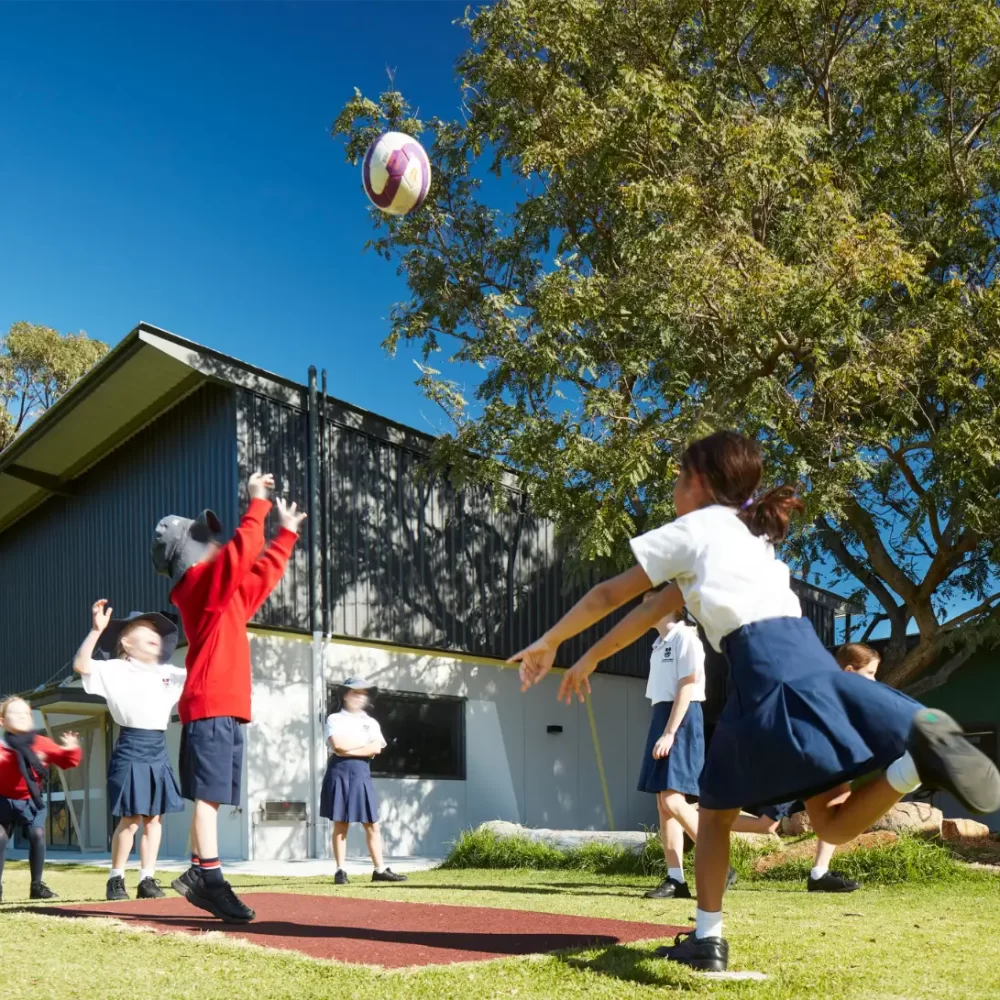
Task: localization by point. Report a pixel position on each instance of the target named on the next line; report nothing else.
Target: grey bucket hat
(359, 684)
(180, 542)
(107, 645)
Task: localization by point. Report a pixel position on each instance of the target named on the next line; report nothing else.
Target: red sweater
(12, 785)
(216, 599)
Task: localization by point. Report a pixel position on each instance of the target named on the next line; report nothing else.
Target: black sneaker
(149, 888)
(831, 882)
(182, 884)
(669, 889)
(39, 890)
(948, 762)
(340, 878)
(219, 899)
(705, 954)
(116, 888)
(388, 875)
(731, 878)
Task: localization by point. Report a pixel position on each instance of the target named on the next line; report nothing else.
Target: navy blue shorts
(777, 812)
(211, 760)
(21, 813)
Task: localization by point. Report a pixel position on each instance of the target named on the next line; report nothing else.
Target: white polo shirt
(139, 695)
(353, 729)
(728, 576)
(676, 655)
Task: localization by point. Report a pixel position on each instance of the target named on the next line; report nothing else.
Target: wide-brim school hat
(181, 542)
(107, 645)
(359, 684)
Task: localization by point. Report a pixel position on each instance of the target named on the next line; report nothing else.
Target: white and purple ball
(396, 173)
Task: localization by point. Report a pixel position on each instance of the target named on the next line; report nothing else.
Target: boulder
(630, 840)
(762, 840)
(917, 818)
(796, 825)
(957, 830)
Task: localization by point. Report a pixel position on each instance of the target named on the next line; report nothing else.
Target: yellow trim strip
(600, 763)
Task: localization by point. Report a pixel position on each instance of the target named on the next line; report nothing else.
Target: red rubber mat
(375, 932)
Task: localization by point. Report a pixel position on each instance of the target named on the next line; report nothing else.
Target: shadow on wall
(410, 559)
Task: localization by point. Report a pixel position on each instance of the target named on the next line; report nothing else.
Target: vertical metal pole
(324, 479)
(314, 599)
(322, 827)
(70, 808)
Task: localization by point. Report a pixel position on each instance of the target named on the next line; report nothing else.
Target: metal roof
(146, 374)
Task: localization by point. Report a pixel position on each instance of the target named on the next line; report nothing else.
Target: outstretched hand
(575, 681)
(70, 741)
(101, 614)
(535, 661)
(290, 516)
(261, 483)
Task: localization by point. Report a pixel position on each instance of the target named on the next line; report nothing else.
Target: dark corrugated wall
(56, 561)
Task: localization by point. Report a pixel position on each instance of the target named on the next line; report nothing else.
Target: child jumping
(24, 756)
(218, 589)
(795, 725)
(141, 690)
(353, 738)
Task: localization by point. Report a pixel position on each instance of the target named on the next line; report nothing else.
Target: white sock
(382, 869)
(117, 873)
(146, 873)
(818, 872)
(707, 924)
(902, 775)
(677, 874)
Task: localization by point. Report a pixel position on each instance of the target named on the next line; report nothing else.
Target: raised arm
(536, 660)
(235, 560)
(270, 567)
(101, 615)
(633, 626)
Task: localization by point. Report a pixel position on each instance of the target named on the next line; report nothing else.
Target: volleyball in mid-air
(396, 173)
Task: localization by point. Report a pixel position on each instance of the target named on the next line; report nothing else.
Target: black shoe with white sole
(948, 762)
(832, 882)
(149, 888)
(388, 875)
(116, 888)
(219, 899)
(669, 888)
(704, 954)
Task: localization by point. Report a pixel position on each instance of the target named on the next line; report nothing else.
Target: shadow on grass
(517, 890)
(635, 964)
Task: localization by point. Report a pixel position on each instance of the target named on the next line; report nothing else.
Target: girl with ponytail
(795, 725)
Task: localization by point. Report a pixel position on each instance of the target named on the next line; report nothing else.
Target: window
(425, 734)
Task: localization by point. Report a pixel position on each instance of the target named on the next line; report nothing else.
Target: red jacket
(13, 785)
(216, 599)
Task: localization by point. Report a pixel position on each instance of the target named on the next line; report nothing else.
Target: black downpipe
(324, 458)
(312, 508)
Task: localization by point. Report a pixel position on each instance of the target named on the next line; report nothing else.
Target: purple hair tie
(747, 504)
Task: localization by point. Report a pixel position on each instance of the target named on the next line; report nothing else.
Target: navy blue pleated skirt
(795, 724)
(140, 779)
(680, 770)
(348, 795)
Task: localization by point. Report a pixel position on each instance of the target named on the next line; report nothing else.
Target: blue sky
(172, 163)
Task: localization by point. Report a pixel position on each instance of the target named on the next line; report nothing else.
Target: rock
(913, 818)
(796, 825)
(629, 840)
(957, 830)
(757, 839)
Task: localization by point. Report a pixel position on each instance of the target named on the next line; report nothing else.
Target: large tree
(37, 365)
(658, 217)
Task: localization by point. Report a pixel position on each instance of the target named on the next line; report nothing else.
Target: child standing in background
(141, 690)
(353, 738)
(218, 589)
(24, 756)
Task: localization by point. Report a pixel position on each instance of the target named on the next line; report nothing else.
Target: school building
(399, 577)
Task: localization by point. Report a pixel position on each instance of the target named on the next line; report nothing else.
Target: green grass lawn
(907, 942)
